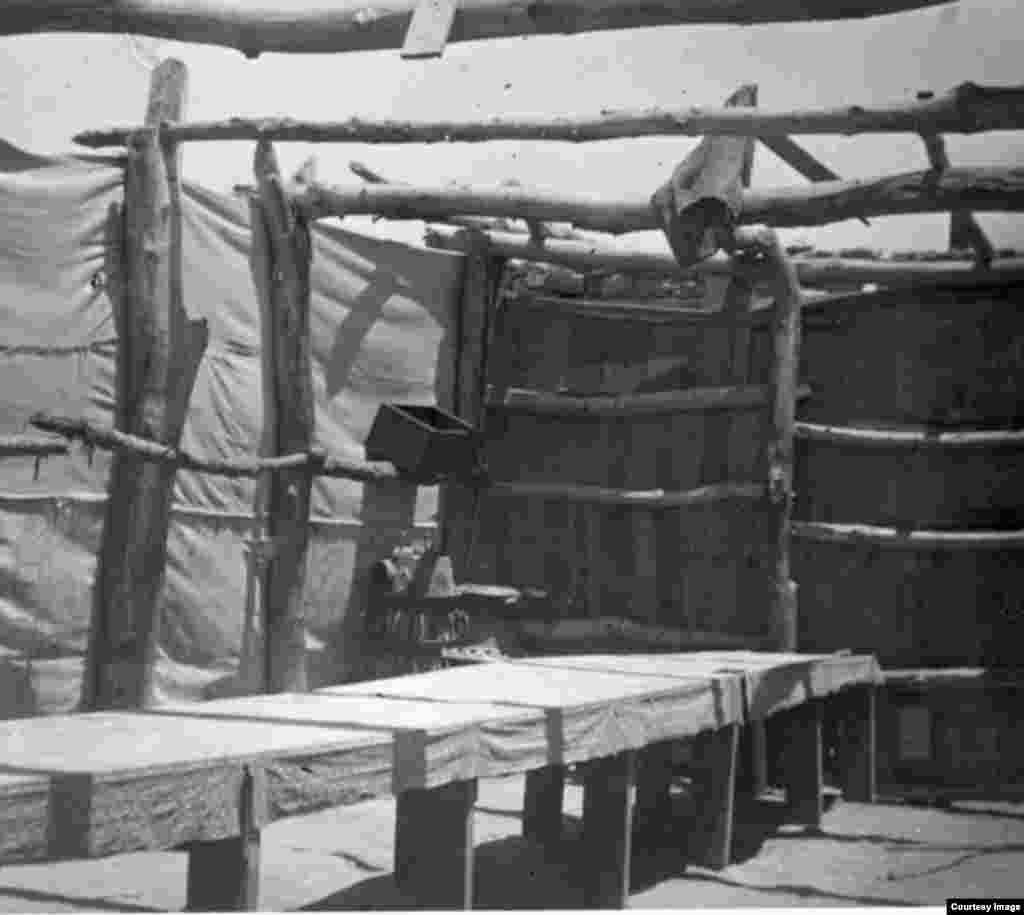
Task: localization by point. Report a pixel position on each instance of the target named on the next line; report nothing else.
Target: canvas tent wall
(381, 319)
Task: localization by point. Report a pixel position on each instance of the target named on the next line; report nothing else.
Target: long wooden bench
(208, 777)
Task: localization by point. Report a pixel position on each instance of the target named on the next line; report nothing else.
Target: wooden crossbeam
(831, 272)
(994, 189)
(968, 108)
(332, 26)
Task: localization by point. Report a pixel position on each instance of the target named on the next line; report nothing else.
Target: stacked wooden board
(209, 776)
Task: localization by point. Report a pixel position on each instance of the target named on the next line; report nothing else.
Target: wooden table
(209, 776)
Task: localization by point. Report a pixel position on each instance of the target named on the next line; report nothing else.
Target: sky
(52, 86)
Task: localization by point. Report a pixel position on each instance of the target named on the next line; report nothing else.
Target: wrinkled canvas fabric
(381, 319)
(698, 207)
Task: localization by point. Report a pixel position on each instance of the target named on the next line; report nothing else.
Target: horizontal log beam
(30, 446)
(541, 403)
(648, 499)
(981, 189)
(110, 439)
(825, 273)
(331, 26)
(968, 108)
(637, 633)
(911, 438)
(872, 535)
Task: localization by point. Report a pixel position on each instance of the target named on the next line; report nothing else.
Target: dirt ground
(341, 859)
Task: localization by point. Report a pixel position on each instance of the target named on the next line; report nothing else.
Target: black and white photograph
(511, 455)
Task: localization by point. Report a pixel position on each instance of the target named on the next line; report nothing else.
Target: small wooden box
(951, 729)
(424, 442)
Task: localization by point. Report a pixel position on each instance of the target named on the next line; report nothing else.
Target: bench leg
(434, 844)
(609, 789)
(653, 814)
(716, 754)
(543, 803)
(223, 875)
(804, 776)
(859, 747)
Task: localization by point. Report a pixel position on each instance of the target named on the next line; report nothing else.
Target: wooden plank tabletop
(123, 781)
(772, 680)
(434, 742)
(587, 713)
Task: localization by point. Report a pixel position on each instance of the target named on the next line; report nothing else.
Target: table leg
(716, 755)
(859, 746)
(224, 874)
(542, 804)
(804, 776)
(434, 844)
(653, 815)
(609, 790)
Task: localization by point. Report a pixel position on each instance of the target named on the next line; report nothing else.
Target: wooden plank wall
(945, 359)
(950, 359)
(684, 567)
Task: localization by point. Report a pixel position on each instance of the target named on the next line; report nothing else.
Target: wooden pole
(785, 380)
(968, 108)
(333, 26)
(832, 272)
(992, 188)
(284, 274)
(159, 352)
(911, 438)
(876, 536)
(541, 403)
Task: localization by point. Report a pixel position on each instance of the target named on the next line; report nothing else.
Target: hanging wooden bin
(424, 442)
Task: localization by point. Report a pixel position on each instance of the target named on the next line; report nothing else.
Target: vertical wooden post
(480, 287)
(803, 772)
(717, 753)
(282, 260)
(543, 801)
(859, 750)
(159, 351)
(786, 335)
(609, 790)
(223, 875)
(434, 844)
